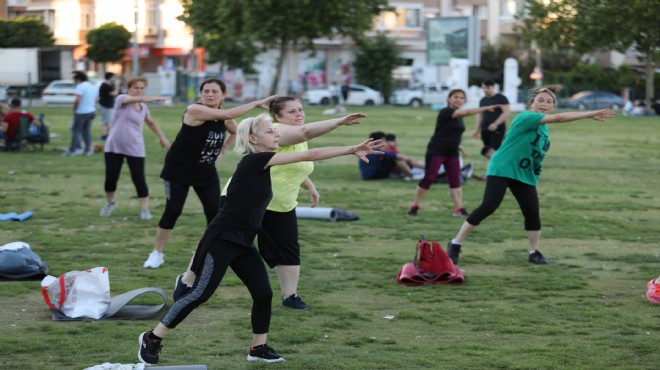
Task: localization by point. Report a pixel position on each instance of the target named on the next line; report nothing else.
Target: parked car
(594, 100)
(59, 92)
(357, 95)
(421, 95)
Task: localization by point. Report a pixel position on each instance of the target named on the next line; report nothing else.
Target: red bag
(431, 265)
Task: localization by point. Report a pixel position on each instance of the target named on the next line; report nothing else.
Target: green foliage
(25, 32)
(235, 31)
(108, 43)
(585, 310)
(374, 62)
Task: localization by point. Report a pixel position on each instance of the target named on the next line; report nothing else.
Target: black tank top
(191, 159)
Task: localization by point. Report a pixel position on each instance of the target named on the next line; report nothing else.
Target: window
(400, 18)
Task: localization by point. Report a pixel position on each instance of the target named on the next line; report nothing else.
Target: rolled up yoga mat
(328, 214)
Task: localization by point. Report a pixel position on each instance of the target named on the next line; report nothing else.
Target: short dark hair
(80, 76)
(488, 82)
(390, 137)
(109, 75)
(377, 135)
(15, 102)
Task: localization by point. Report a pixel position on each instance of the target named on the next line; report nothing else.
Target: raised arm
(290, 135)
(472, 111)
(598, 115)
(196, 114)
(360, 150)
(129, 99)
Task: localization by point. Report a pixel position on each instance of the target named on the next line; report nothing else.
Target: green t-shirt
(521, 155)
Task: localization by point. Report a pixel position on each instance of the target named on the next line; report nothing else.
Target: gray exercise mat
(120, 309)
(181, 367)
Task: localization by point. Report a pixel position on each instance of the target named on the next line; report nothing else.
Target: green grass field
(600, 208)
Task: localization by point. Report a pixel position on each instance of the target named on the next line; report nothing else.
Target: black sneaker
(453, 250)
(413, 211)
(460, 212)
(263, 353)
(180, 288)
(295, 302)
(149, 349)
(537, 258)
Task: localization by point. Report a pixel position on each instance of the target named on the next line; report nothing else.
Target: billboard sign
(453, 37)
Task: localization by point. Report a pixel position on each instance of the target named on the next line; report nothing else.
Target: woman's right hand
(352, 119)
(263, 103)
(368, 147)
(601, 115)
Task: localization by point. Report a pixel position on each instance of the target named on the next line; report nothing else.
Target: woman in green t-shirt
(517, 166)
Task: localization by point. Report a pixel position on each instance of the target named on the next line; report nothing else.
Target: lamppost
(135, 42)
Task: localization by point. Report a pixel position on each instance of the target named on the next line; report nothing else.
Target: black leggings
(248, 266)
(526, 196)
(176, 194)
(113, 163)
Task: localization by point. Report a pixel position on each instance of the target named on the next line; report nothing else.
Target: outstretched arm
(196, 114)
(361, 150)
(598, 115)
(472, 111)
(141, 99)
(290, 135)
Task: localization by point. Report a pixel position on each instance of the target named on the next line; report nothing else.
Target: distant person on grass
(491, 124)
(517, 166)
(444, 149)
(12, 120)
(126, 141)
(108, 92)
(84, 111)
(228, 240)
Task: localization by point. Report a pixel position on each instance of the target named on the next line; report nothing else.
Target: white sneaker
(155, 260)
(74, 153)
(107, 209)
(145, 214)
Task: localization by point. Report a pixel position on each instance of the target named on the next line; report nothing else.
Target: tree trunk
(650, 80)
(280, 63)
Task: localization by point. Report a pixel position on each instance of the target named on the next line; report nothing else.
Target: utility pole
(135, 43)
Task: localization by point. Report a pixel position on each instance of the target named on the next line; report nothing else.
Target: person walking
(190, 162)
(126, 141)
(108, 91)
(280, 219)
(491, 124)
(516, 166)
(84, 111)
(228, 239)
(443, 150)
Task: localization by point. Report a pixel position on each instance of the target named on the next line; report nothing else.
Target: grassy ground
(585, 310)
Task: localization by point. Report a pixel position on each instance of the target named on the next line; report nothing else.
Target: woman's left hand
(369, 146)
(165, 143)
(313, 196)
(603, 114)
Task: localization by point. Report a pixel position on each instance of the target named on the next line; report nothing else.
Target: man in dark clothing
(108, 91)
(491, 124)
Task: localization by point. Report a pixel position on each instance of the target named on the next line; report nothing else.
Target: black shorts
(283, 230)
(492, 139)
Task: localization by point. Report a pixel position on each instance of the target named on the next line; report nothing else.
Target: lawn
(600, 208)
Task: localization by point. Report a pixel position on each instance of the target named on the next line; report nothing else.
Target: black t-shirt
(105, 99)
(447, 136)
(191, 158)
(490, 117)
(239, 219)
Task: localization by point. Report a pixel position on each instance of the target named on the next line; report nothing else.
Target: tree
(241, 29)
(25, 33)
(108, 43)
(589, 25)
(374, 62)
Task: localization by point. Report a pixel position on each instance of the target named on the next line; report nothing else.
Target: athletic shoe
(89, 152)
(295, 302)
(537, 258)
(180, 288)
(453, 250)
(155, 260)
(653, 291)
(74, 152)
(413, 211)
(460, 212)
(107, 209)
(467, 171)
(145, 214)
(149, 349)
(263, 353)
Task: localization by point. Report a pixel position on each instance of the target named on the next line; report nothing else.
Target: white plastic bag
(79, 293)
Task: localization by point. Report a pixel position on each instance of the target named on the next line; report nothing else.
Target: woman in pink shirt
(125, 141)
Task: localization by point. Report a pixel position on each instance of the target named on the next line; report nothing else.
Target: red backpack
(431, 265)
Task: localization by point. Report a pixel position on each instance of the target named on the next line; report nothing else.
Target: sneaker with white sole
(263, 353)
(154, 261)
(149, 349)
(107, 209)
(145, 214)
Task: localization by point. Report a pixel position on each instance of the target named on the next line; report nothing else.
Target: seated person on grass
(11, 120)
(382, 166)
